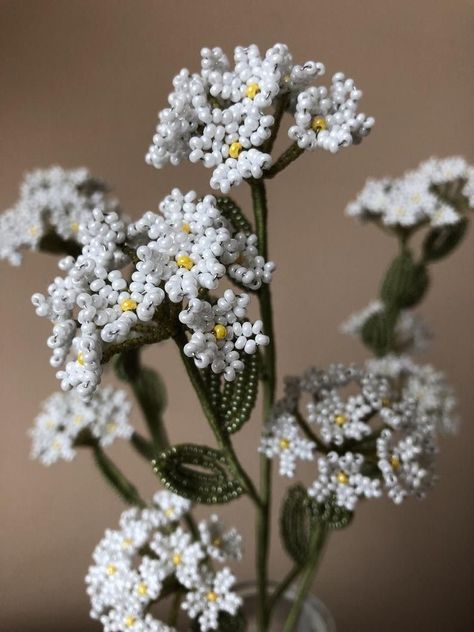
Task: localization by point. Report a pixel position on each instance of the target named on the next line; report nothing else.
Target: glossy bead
(211, 596)
(128, 305)
(184, 261)
(284, 444)
(340, 420)
(319, 123)
(80, 358)
(235, 149)
(342, 478)
(252, 90)
(176, 559)
(220, 332)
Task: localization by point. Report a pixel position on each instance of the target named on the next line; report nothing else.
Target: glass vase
(315, 617)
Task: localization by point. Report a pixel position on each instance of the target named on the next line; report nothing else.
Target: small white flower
(65, 415)
(283, 439)
(341, 477)
(220, 544)
(406, 462)
(178, 555)
(210, 595)
(338, 420)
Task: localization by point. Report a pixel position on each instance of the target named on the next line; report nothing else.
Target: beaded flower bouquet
(369, 429)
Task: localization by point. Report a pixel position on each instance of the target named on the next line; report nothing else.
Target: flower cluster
(53, 201)
(221, 117)
(178, 255)
(373, 424)
(65, 416)
(438, 193)
(150, 553)
(411, 335)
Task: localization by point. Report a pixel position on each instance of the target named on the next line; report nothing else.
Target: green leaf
(198, 473)
(405, 282)
(295, 523)
(377, 333)
(226, 622)
(331, 514)
(234, 214)
(238, 397)
(440, 242)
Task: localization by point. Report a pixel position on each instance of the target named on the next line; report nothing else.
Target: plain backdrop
(81, 82)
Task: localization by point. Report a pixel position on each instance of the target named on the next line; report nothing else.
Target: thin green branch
(288, 156)
(116, 478)
(281, 105)
(142, 446)
(283, 586)
(318, 538)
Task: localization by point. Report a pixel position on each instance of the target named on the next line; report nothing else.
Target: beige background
(81, 83)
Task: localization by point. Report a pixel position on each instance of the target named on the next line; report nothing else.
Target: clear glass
(315, 617)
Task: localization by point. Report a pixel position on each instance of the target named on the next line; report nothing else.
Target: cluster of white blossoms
(64, 416)
(222, 116)
(150, 554)
(411, 333)
(373, 426)
(53, 200)
(181, 253)
(437, 193)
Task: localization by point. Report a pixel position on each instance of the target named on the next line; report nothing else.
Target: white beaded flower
(338, 420)
(425, 387)
(411, 333)
(65, 415)
(219, 543)
(438, 192)
(54, 200)
(131, 564)
(221, 116)
(283, 439)
(185, 250)
(341, 477)
(406, 462)
(210, 595)
(329, 119)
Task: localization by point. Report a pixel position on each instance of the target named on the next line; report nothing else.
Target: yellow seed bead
(130, 621)
(169, 513)
(284, 444)
(235, 149)
(186, 228)
(342, 478)
(176, 559)
(50, 424)
(220, 332)
(111, 426)
(252, 90)
(111, 570)
(142, 589)
(128, 305)
(386, 402)
(80, 358)
(211, 596)
(184, 261)
(217, 542)
(340, 420)
(287, 79)
(319, 123)
(33, 231)
(126, 543)
(74, 227)
(78, 419)
(395, 461)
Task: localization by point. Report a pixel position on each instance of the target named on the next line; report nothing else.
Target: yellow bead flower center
(176, 559)
(111, 426)
(184, 261)
(340, 420)
(77, 419)
(211, 596)
(169, 513)
(395, 461)
(142, 589)
(284, 443)
(33, 231)
(235, 149)
(386, 402)
(217, 542)
(252, 90)
(342, 478)
(80, 358)
(220, 332)
(74, 227)
(318, 124)
(111, 570)
(130, 621)
(186, 228)
(128, 305)
(126, 543)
